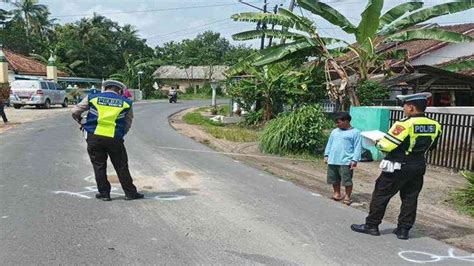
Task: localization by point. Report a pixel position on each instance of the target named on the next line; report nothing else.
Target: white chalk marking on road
(25, 185)
(231, 153)
(316, 194)
(77, 194)
(425, 257)
(283, 180)
(154, 239)
(5, 217)
(169, 197)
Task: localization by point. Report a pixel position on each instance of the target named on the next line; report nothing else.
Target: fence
(455, 147)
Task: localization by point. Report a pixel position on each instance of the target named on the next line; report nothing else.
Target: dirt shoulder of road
(436, 216)
(17, 117)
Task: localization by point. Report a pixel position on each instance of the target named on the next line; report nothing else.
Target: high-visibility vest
(410, 138)
(107, 112)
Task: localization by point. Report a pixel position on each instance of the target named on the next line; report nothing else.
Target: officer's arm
(394, 137)
(435, 141)
(128, 120)
(80, 108)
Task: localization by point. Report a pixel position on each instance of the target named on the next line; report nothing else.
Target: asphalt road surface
(200, 207)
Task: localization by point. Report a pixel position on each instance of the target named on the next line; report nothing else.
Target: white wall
(445, 54)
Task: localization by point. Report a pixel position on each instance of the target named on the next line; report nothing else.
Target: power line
(150, 10)
(190, 28)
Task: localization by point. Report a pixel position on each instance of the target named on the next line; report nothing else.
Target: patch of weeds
(232, 133)
(196, 118)
(464, 198)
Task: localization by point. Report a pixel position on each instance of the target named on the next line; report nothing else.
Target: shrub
(369, 91)
(464, 198)
(253, 118)
(297, 132)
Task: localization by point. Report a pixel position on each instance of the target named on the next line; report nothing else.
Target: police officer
(404, 166)
(108, 120)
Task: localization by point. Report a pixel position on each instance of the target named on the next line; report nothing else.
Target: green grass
(232, 133)
(464, 198)
(196, 118)
(218, 130)
(198, 96)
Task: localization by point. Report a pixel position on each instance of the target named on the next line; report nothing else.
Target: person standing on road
(403, 169)
(3, 99)
(108, 120)
(342, 153)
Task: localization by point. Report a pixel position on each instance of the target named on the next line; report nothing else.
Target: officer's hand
(353, 165)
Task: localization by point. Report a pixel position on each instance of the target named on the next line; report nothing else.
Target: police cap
(423, 96)
(113, 83)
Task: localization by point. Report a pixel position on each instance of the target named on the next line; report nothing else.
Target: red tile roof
(24, 65)
(416, 48)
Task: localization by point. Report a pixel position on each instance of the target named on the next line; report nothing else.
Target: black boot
(366, 229)
(402, 233)
(134, 196)
(104, 197)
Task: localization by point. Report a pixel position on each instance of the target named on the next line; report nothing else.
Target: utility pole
(263, 26)
(275, 10)
(291, 7)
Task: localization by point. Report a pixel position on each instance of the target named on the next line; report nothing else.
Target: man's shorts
(338, 173)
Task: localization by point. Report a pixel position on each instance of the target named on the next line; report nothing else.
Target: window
(25, 84)
(44, 86)
(58, 87)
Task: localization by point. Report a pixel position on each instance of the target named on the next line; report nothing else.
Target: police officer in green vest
(109, 118)
(406, 144)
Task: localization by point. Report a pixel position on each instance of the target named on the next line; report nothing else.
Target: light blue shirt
(344, 146)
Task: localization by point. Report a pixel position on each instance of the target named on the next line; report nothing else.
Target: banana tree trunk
(343, 88)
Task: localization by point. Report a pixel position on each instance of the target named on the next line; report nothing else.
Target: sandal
(348, 202)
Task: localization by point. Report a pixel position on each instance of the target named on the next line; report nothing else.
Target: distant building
(23, 67)
(193, 77)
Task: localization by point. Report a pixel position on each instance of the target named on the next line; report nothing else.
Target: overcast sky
(161, 21)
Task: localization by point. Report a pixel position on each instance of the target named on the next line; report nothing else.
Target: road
(200, 207)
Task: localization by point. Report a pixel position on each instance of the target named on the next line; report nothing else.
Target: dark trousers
(2, 112)
(409, 181)
(99, 148)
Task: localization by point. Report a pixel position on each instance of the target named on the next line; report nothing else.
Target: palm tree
(69, 68)
(30, 11)
(374, 29)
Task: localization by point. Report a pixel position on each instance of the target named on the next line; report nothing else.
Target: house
(194, 77)
(24, 67)
(425, 69)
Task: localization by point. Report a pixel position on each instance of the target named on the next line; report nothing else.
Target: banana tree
(399, 24)
(304, 40)
(396, 25)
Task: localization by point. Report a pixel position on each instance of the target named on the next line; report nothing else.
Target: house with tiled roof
(21, 65)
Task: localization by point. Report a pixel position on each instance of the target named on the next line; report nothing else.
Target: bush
(297, 132)
(253, 118)
(369, 91)
(464, 198)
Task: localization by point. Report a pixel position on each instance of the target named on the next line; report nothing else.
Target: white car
(40, 93)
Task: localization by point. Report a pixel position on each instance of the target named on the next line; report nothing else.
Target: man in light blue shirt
(342, 153)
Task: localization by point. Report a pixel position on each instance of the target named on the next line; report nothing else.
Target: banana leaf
(256, 34)
(286, 51)
(328, 13)
(398, 11)
(428, 13)
(370, 21)
(269, 18)
(460, 66)
(302, 23)
(430, 34)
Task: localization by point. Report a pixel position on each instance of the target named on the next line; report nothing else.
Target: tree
(31, 12)
(305, 41)
(374, 29)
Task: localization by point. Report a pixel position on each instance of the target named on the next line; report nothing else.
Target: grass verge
(218, 130)
(464, 198)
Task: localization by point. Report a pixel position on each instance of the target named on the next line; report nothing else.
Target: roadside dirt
(436, 217)
(19, 116)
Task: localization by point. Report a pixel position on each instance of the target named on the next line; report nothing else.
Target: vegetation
(303, 130)
(464, 198)
(369, 91)
(396, 25)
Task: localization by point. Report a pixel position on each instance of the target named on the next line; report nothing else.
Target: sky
(161, 21)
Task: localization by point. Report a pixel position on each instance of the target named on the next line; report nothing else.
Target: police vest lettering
(109, 102)
(424, 129)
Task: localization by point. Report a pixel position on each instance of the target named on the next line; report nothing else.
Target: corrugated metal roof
(193, 72)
